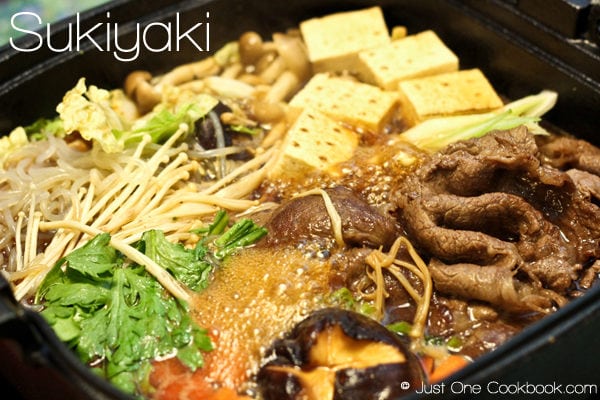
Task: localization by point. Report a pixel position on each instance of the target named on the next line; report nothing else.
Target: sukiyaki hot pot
(258, 211)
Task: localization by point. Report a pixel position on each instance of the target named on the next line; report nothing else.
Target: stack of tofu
(414, 77)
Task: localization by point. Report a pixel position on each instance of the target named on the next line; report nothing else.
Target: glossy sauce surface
(256, 296)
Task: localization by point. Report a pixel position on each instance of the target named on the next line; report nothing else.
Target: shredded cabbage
(15, 140)
(88, 111)
(98, 115)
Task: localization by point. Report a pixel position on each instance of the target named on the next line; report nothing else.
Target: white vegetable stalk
(436, 133)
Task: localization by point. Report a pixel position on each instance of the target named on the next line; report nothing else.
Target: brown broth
(256, 296)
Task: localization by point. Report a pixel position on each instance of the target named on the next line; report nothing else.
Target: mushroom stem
(273, 70)
(188, 72)
(138, 87)
(232, 71)
(283, 87)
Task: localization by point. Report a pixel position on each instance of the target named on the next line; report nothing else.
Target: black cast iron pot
(523, 46)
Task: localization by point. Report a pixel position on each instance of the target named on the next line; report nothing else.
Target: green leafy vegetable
(246, 129)
(186, 265)
(400, 327)
(118, 316)
(164, 122)
(435, 340)
(436, 133)
(193, 266)
(454, 343)
(218, 226)
(343, 297)
(228, 54)
(241, 234)
(42, 128)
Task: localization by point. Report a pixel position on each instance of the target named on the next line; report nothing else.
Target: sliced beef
(499, 223)
(580, 161)
(492, 283)
(498, 229)
(473, 167)
(487, 336)
(564, 152)
(306, 218)
(587, 184)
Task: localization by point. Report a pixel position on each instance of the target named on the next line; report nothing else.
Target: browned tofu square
(414, 56)
(333, 41)
(453, 93)
(358, 104)
(313, 142)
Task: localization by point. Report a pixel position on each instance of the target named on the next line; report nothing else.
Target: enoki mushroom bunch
(125, 195)
(378, 262)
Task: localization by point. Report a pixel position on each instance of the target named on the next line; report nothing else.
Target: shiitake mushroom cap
(340, 353)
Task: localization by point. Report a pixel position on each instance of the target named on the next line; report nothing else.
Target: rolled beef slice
(500, 222)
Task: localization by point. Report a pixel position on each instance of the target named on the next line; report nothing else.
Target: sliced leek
(436, 133)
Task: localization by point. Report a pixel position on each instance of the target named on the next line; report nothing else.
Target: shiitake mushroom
(207, 128)
(339, 354)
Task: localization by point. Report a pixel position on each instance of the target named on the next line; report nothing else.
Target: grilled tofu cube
(453, 93)
(414, 56)
(313, 142)
(360, 105)
(333, 41)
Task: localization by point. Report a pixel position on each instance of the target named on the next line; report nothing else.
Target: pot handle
(13, 318)
(35, 361)
(594, 22)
